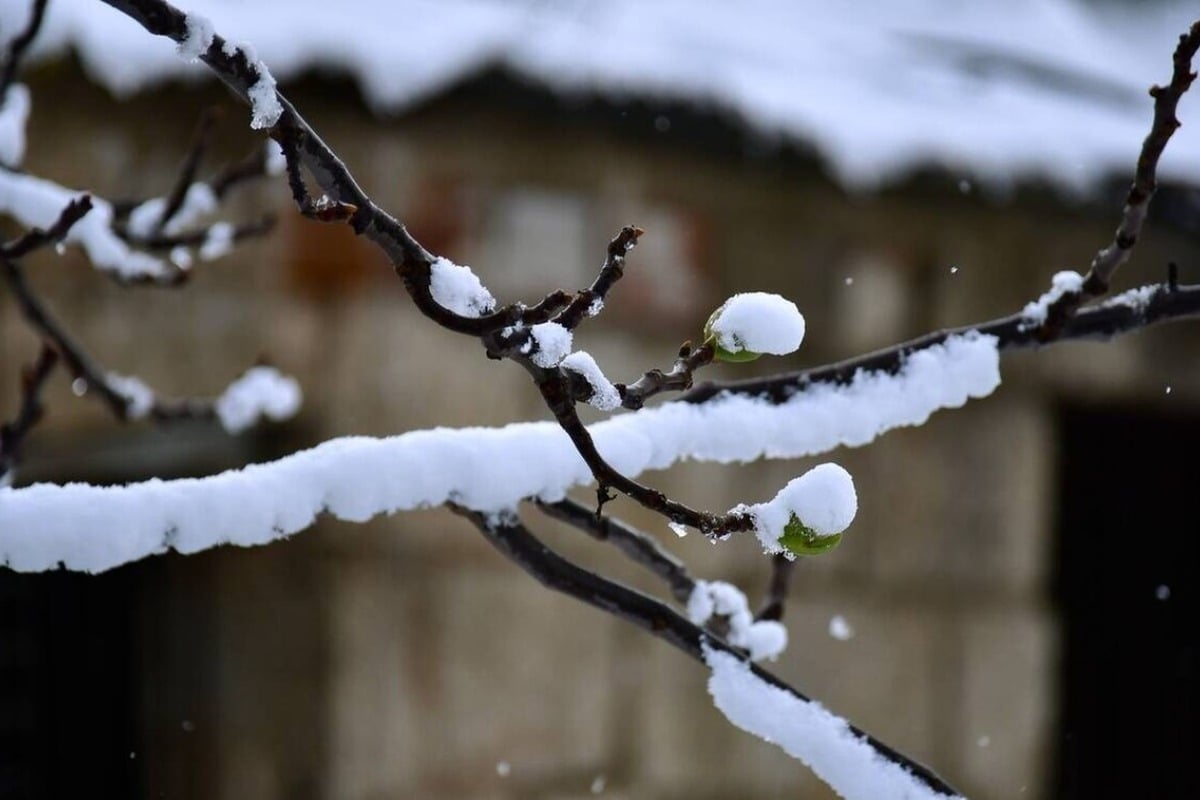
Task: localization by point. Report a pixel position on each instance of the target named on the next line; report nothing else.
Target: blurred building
(1019, 585)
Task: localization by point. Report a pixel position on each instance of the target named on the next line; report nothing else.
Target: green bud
(720, 353)
(801, 540)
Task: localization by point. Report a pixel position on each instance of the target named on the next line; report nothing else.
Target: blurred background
(1016, 602)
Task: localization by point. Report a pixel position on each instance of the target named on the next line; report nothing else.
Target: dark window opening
(1128, 574)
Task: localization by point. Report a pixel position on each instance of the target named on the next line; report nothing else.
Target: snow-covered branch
(855, 764)
(489, 470)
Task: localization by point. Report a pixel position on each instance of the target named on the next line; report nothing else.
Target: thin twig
(18, 46)
(1145, 181)
(782, 568)
(638, 546)
(12, 434)
(187, 172)
(558, 394)
(655, 381)
(585, 302)
(514, 540)
(196, 238)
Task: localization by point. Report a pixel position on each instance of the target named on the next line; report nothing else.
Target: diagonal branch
(1137, 202)
(782, 568)
(560, 398)
(635, 544)
(12, 434)
(37, 238)
(589, 301)
(18, 46)
(514, 540)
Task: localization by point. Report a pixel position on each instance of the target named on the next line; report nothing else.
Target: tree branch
(638, 546)
(1137, 202)
(589, 301)
(510, 536)
(1132, 311)
(18, 46)
(12, 435)
(655, 381)
(782, 568)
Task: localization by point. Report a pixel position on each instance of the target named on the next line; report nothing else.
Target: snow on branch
(36, 203)
(95, 528)
(805, 730)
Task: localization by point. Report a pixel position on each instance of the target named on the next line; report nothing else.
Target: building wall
(404, 658)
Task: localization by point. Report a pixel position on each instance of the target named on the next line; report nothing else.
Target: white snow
(1062, 283)
(840, 629)
(139, 396)
(181, 257)
(14, 113)
(763, 639)
(604, 395)
(35, 202)
(260, 392)
(822, 498)
(199, 38)
(487, 469)
(758, 322)
(457, 288)
(217, 242)
(553, 344)
(265, 108)
(198, 201)
(989, 89)
(808, 732)
(276, 161)
(1137, 299)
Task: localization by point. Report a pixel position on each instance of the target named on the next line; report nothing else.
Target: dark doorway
(68, 713)
(1127, 586)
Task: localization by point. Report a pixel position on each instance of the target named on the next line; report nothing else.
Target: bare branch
(12, 435)
(557, 391)
(1145, 181)
(518, 544)
(655, 381)
(638, 546)
(187, 172)
(197, 238)
(589, 301)
(83, 367)
(782, 568)
(18, 46)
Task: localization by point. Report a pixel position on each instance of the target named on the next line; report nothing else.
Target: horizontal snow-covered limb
(487, 469)
(808, 732)
(36, 202)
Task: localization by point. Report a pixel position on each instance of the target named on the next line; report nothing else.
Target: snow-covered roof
(994, 88)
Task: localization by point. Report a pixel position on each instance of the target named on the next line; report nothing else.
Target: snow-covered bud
(748, 325)
(808, 515)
